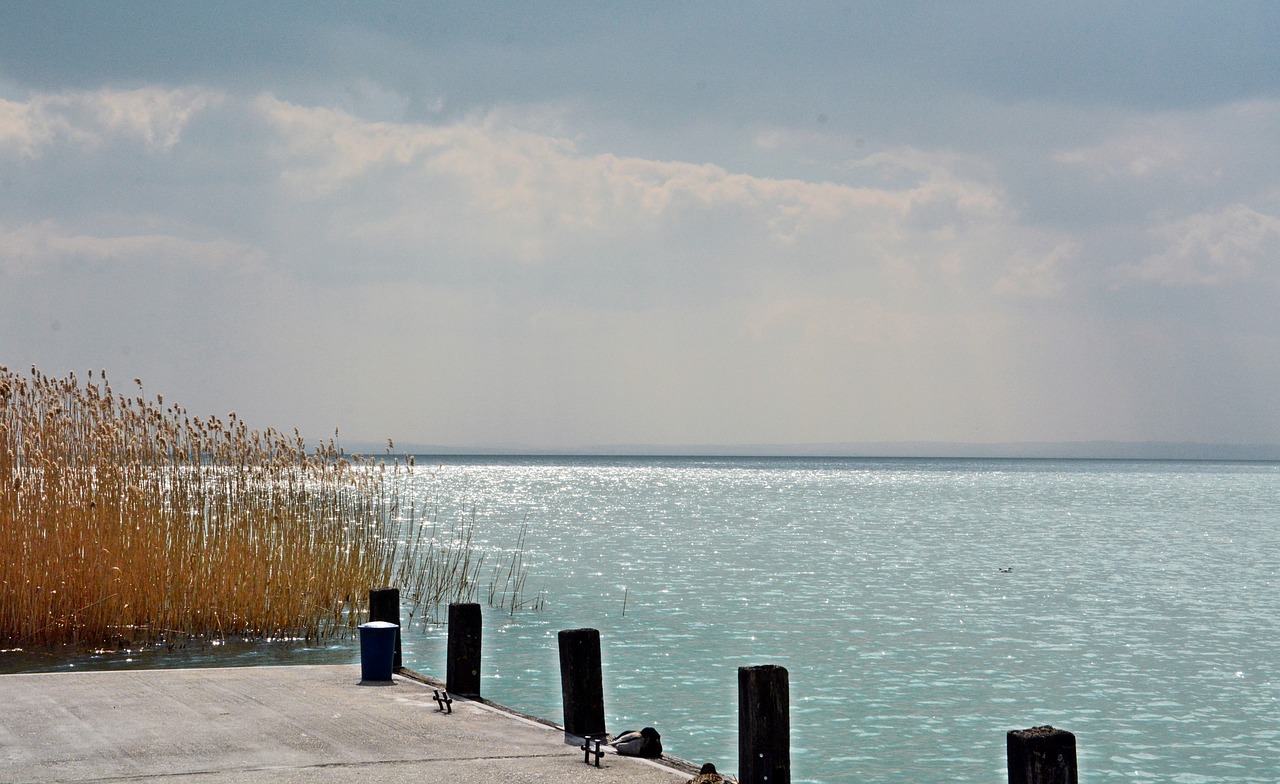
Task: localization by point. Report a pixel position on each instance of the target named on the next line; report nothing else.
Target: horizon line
(1087, 450)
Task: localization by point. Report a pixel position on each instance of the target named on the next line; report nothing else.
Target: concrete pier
(247, 725)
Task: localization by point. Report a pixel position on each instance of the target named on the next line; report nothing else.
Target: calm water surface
(1142, 612)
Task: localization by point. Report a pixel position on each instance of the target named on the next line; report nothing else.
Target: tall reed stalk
(124, 522)
(506, 589)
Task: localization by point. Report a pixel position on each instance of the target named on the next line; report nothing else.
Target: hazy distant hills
(1106, 450)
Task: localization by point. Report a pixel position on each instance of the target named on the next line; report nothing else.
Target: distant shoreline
(1081, 450)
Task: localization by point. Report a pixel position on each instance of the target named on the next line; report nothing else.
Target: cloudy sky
(556, 225)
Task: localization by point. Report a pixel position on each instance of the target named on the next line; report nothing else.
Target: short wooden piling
(582, 682)
(764, 725)
(1042, 755)
(462, 672)
(384, 605)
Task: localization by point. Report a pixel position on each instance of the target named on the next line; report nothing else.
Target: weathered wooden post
(462, 672)
(384, 605)
(1042, 755)
(764, 725)
(582, 682)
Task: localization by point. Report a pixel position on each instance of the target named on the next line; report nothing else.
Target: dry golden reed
(126, 522)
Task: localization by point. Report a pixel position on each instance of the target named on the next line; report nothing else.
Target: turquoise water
(1142, 611)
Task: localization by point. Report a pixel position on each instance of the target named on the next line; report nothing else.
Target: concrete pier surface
(277, 724)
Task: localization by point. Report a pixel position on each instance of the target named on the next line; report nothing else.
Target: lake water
(1141, 612)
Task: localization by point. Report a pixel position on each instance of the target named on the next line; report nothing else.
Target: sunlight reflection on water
(1137, 593)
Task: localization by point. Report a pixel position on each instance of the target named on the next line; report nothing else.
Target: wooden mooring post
(1042, 755)
(462, 672)
(384, 605)
(582, 683)
(764, 725)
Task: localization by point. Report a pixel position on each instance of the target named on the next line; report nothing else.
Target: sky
(570, 225)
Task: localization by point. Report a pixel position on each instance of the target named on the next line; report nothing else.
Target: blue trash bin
(377, 650)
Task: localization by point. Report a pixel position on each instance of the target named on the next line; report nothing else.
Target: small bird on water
(645, 743)
(708, 775)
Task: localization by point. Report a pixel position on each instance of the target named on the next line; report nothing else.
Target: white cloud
(492, 192)
(1137, 156)
(152, 115)
(1217, 146)
(1213, 248)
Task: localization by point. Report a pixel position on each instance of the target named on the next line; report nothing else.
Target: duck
(645, 743)
(708, 775)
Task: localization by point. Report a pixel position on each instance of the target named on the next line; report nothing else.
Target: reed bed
(125, 522)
